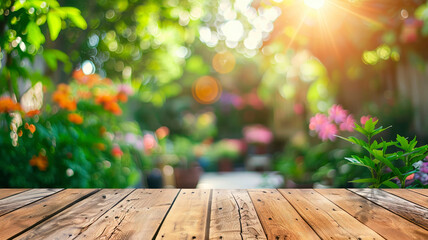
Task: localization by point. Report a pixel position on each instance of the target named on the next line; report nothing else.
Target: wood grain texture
(233, 216)
(409, 196)
(6, 192)
(188, 216)
(16, 201)
(225, 220)
(23, 218)
(384, 222)
(279, 219)
(327, 219)
(138, 216)
(420, 191)
(408, 210)
(74, 220)
(250, 223)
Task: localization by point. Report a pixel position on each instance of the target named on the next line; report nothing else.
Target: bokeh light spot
(88, 67)
(315, 4)
(206, 90)
(224, 62)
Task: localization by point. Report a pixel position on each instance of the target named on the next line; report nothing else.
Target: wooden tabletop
(213, 214)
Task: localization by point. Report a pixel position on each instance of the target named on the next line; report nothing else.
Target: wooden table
(213, 214)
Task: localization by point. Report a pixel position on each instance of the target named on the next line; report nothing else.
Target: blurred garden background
(228, 93)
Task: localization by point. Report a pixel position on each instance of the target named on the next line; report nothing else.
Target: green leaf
(51, 57)
(54, 24)
(404, 144)
(78, 20)
(364, 180)
(355, 140)
(35, 35)
(361, 130)
(75, 16)
(379, 130)
(390, 184)
(370, 126)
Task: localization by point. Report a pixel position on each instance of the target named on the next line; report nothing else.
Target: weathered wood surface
(384, 222)
(420, 191)
(69, 223)
(233, 216)
(188, 218)
(138, 216)
(6, 192)
(27, 216)
(408, 210)
(328, 220)
(279, 219)
(16, 201)
(213, 214)
(410, 196)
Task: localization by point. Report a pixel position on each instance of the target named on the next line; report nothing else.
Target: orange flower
(8, 105)
(162, 132)
(20, 133)
(104, 99)
(100, 146)
(113, 107)
(32, 113)
(78, 74)
(122, 97)
(75, 118)
(62, 97)
(63, 88)
(41, 162)
(84, 94)
(30, 127)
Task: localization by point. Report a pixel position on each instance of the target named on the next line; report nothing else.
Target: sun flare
(315, 4)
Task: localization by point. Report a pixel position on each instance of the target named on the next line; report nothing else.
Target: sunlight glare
(315, 4)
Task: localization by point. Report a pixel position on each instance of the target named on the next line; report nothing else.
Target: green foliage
(379, 156)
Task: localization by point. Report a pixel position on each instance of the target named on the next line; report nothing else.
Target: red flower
(116, 152)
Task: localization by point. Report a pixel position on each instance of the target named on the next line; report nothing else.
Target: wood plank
(75, 219)
(188, 217)
(225, 216)
(408, 210)
(327, 219)
(409, 196)
(420, 191)
(6, 192)
(279, 219)
(16, 201)
(233, 216)
(250, 223)
(23, 218)
(138, 216)
(384, 222)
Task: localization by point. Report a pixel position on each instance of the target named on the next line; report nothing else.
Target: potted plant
(225, 152)
(187, 170)
(258, 138)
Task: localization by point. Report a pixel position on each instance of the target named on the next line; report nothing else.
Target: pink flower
(328, 131)
(364, 119)
(257, 134)
(317, 122)
(125, 88)
(337, 113)
(348, 124)
(410, 177)
(149, 143)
